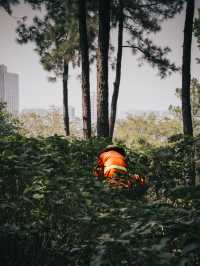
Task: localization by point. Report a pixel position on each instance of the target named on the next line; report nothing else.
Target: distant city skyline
(140, 89)
(72, 112)
(43, 112)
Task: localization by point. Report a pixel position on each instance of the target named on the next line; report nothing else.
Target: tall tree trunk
(102, 91)
(97, 68)
(186, 76)
(97, 79)
(189, 166)
(86, 107)
(65, 98)
(118, 72)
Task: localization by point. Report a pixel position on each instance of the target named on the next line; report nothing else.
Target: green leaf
(38, 196)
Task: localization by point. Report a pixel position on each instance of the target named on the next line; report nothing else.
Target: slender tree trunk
(118, 72)
(86, 108)
(97, 89)
(189, 166)
(102, 91)
(65, 99)
(186, 76)
(97, 79)
(97, 66)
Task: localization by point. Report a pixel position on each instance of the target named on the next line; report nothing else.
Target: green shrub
(55, 212)
(8, 124)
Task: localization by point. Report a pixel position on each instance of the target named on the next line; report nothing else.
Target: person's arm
(142, 180)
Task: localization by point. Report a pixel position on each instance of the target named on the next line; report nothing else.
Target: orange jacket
(112, 162)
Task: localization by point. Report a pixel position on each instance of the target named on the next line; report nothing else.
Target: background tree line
(79, 32)
(133, 130)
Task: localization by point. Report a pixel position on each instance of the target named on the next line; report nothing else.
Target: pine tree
(54, 51)
(189, 171)
(113, 108)
(186, 75)
(176, 111)
(65, 98)
(85, 69)
(102, 90)
(6, 5)
(57, 42)
(139, 19)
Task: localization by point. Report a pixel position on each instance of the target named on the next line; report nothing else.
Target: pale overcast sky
(141, 88)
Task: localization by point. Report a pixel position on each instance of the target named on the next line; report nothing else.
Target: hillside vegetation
(55, 212)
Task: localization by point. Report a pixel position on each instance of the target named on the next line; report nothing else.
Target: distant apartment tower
(93, 101)
(9, 90)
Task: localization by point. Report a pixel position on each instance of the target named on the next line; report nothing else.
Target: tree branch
(135, 47)
(149, 5)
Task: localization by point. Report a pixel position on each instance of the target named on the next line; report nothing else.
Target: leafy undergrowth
(54, 211)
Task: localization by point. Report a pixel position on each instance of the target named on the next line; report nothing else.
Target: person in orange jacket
(112, 165)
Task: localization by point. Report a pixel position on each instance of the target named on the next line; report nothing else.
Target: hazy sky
(141, 87)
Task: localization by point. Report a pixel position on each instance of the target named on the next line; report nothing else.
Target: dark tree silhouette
(65, 98)
(54, 51)
(113, 108)
(139, 19)
(6, 4)
(57, 41)
(186, 76)
(85, 69)
(102, 90)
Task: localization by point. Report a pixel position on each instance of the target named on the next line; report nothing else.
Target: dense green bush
(55, 212)
(8, 124)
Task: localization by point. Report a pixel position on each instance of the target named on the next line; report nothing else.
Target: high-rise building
(93, 101)
(9, 90)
